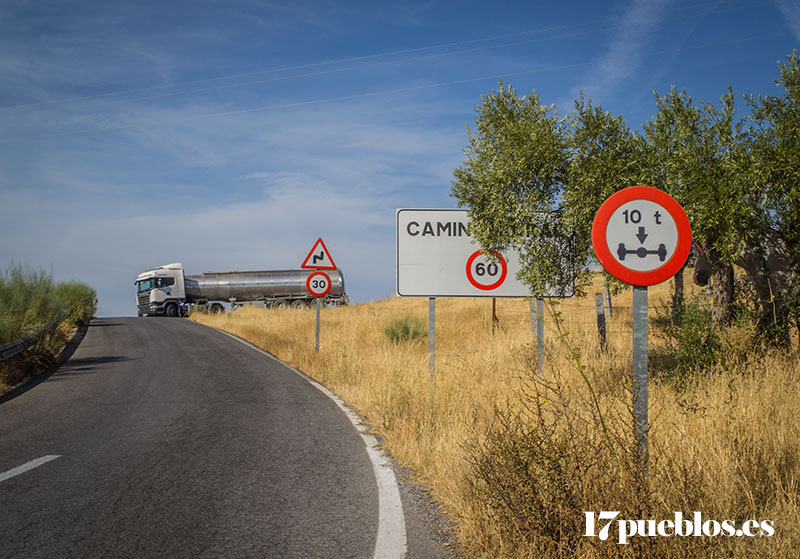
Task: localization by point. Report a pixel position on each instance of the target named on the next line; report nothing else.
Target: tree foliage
(772, 169)
(512, 181)
(530, 175)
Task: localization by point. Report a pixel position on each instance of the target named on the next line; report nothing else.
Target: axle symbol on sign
(642, 252)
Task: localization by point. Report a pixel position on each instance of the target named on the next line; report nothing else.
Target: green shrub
(30, 298)
(406, 329)
(26, 301)
(79, 298)
(693, 341)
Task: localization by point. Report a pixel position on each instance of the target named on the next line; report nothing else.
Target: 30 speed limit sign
(318, 284)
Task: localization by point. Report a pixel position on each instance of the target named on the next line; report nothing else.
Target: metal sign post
(316, 343)
(537, 328)
(641, 236)
(640, 404)
(432, 338)
(539, 334)
(601, 319)
(318, 284)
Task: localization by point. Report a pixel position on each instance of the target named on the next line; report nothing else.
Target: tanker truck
(167, 291)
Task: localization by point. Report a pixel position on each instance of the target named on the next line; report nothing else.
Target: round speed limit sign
(318, 284)
(484, 273)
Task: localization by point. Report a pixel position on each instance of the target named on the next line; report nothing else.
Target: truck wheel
(172, 310)
(280, 304)
(216, 308)
(298, 304)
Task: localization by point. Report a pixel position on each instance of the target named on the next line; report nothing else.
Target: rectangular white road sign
(436, 258)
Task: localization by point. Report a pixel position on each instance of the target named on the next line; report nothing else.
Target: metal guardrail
(11, 349)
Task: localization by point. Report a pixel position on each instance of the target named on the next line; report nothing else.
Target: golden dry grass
(35, 359)
(728, 445)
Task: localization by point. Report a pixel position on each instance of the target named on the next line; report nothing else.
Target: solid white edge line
(28, 466)
(391, 540)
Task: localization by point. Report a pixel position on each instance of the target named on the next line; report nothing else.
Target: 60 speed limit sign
(318, 284)
(486, 274)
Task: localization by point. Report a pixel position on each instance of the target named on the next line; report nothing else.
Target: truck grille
(144, 302)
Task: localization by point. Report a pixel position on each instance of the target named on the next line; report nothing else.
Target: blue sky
(230, 135)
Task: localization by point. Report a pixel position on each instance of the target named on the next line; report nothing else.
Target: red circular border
(615, 268)
(481, 286)
(308, 284)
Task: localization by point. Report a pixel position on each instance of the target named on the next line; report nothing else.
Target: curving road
(164, 438)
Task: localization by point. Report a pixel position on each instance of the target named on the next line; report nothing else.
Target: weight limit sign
(641, 235)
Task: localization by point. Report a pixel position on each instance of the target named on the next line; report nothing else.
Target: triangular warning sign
(319, 258)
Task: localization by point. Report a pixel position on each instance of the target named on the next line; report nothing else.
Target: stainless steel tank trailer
(167, 291)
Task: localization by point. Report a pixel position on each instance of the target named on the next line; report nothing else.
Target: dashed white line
(28, 466)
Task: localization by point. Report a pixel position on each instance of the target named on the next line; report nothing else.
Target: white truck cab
(161, 291)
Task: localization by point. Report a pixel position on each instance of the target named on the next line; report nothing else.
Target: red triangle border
(306, 266)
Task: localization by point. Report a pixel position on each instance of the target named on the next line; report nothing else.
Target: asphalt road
(164, 438)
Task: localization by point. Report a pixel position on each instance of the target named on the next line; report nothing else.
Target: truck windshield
(145, 285)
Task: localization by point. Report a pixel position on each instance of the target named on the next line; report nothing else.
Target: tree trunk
(773, 324)
(710, 269)
(678, 291)
(722, 293)
(768, 267)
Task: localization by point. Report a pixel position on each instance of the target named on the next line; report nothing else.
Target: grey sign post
(318, 284)
(537, 327)
(640, 404)
(641, 235)
(316, 338)
(432, 338)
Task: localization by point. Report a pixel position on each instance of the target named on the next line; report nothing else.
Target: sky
(231, 135)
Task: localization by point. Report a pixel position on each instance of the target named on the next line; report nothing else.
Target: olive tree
(698, 153)
(771, 165)
(512, 183)
(605, 156)
(530, 177)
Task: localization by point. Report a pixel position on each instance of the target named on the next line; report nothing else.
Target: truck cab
(161, 291)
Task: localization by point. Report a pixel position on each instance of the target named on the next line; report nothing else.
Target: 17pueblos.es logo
(606, 523)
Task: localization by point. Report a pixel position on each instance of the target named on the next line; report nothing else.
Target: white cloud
(791, 11)
(621, 58)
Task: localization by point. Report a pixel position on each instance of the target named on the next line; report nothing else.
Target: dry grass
(491, 438)
(42, 355)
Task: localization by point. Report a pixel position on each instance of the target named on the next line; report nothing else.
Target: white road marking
(391, 540)
(28, 466)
